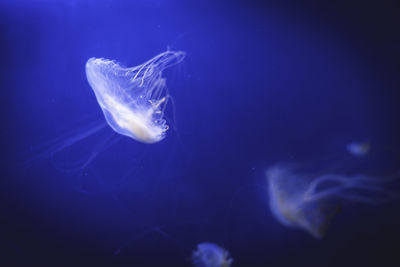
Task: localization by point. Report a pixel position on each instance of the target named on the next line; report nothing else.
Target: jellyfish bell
(280, 196)
(211, 255)
(358, 149)
(287, 204)
(133, 100)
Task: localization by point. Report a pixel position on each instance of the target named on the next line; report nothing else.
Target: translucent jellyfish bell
(211, 255)
(133, 100)
(358, 149)
(310, 203)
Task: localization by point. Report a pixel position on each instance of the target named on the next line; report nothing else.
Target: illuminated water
(261, 84)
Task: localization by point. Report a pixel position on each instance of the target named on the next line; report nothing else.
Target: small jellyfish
(310, 203)
(133, 100)
(358, 149)
(211, 255)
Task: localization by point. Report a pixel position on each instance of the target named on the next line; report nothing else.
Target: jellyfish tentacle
(160, 89)
(324, 194)
(142, 67)
(60, 143)
(313, 186)
(351, 183)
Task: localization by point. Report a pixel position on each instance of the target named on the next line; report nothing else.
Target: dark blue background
(263, 82)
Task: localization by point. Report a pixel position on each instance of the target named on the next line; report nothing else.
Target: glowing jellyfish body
(310, 204)
(211, 255)
(133, 100)
(358, 149)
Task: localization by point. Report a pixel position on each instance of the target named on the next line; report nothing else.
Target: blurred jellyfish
(300, 202)
(211, 255)
(358, 149)
(133, 100)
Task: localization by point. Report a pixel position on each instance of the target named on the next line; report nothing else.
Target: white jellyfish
(358, 149)
(310, 203)
(133, 100)
(211, 255)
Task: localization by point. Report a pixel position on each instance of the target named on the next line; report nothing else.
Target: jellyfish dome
(133, 100)
(211, 255)
(358, 149)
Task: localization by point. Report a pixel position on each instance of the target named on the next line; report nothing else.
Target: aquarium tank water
(199, 133)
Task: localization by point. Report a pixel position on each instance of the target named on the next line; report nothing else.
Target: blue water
(261, 83)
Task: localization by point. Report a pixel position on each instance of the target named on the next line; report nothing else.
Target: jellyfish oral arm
(141, 122)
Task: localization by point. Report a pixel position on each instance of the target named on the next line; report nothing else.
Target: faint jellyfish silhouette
(358, 149)
(211, 255)
(133, 100)
(309, 204)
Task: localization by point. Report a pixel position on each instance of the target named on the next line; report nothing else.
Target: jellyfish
(133, 100)
(299, 201)
(211, 255)
(358, 149)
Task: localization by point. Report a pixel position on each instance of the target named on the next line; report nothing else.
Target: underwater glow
(310, 203)
(358, 149)
(133, 100)
(211, 255)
